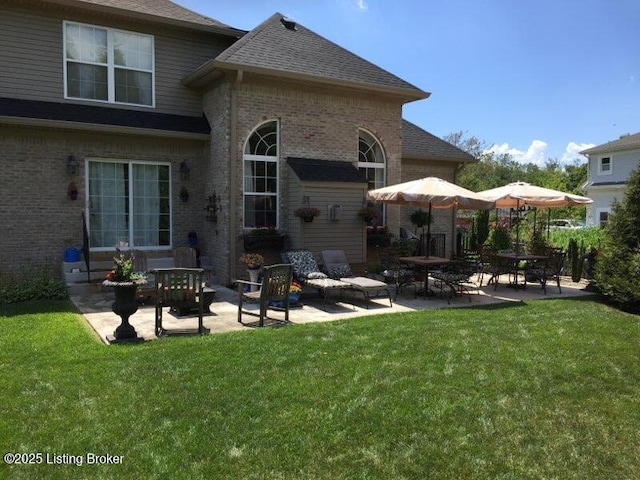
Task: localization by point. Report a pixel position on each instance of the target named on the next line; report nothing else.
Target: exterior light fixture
(185, 171)
(72, 165)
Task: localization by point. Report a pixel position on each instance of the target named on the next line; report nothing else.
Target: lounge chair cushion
(339, 270)
(304, 265)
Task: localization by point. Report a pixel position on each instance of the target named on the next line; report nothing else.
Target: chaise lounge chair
(307, 272)
(336, 264)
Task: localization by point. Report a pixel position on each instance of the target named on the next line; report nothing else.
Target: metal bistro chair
(275, 287)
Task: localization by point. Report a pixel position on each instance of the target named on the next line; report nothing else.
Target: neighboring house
(609, 167)
(152, 112)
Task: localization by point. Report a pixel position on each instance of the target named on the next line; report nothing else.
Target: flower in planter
(252, 260)
(369, 214)
(262, 232)
(307, 212)
(124, 270)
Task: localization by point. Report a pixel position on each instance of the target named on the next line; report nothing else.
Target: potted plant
(369, 214)
(378, 236)
(254, 262)
(307, 213)
(125, 281)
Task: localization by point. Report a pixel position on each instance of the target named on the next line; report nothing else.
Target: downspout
(233, 118)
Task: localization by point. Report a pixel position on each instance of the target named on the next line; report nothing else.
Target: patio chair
(307, 272)
(337, 267)
(185, 257)
(490, 264)
(145, 293)
(549, 270)
(457, 277)
(276, 282)
(396, 272)
(181, 290)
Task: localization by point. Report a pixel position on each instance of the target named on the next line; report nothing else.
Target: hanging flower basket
(307, 214)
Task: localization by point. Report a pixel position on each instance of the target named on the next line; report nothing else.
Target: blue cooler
(71, 254)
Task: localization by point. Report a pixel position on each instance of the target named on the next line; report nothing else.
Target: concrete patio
(96, 307)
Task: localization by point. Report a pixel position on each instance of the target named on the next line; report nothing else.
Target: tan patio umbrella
(431, 192)
(519, 194)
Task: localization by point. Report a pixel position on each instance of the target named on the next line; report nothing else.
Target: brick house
(153, 113)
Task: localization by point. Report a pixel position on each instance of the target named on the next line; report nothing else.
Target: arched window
(372, 163)
(260, 177)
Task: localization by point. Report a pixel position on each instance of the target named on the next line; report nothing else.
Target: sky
(539, 79)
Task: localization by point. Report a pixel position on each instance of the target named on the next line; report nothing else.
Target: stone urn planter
(124, 305)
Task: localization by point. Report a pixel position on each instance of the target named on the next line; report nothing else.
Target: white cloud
(536, 153)
(572, 152)
(361, 5)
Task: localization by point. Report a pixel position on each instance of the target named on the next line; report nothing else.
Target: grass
(548, 389)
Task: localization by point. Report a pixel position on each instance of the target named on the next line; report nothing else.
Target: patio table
(513, 259)
(425, 262)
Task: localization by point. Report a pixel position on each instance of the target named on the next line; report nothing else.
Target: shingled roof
(158, 11)
(626, 142)
(282, 48)
(420, 144)
(315, 170)
(12, 109)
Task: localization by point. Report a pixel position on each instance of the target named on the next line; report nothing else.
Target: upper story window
(372, 162)
(605, 166)
(108, 65)
(260, 177)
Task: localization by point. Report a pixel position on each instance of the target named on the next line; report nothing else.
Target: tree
(617, 270)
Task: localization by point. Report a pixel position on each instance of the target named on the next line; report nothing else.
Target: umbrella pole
(548, 222)
(429, 232)
(518, 227)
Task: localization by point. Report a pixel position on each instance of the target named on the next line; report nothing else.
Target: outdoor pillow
(340, 270)
(304, 264)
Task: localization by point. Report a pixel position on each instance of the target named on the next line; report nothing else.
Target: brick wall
(39, 220)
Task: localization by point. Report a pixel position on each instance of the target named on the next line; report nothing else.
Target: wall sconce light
(72, 165)
(213, 207)
(185, 171)
(72, 191)
(184, 194)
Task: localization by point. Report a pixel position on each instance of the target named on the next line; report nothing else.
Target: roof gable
(418, 143)
(160, 11)
(272, 47)
(626, 142)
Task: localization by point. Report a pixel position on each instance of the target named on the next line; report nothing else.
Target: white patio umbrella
(519, 194)
(430, 192)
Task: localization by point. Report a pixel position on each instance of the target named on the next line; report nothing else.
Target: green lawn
(548, 389)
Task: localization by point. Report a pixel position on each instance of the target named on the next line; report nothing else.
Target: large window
(372, 163)
(260, 177)
(108, 65)
(129, 202)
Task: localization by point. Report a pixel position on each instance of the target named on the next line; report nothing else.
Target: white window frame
(599, 211)
(381, 165)
(111, 66)
(601, 170)
(261, 158)
(131, 228)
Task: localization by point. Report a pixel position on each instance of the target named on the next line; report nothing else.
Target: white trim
(267, 159)
(598, 212)
(131, 222)
(600, 169)
(111, 93)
